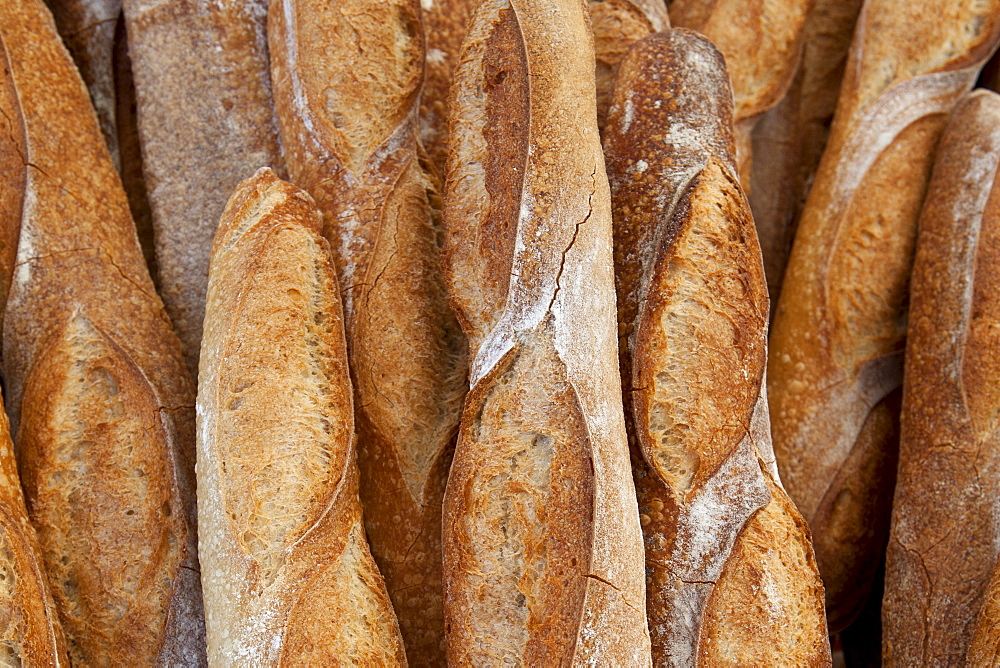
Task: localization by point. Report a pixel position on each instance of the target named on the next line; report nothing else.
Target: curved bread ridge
(206, 122)
(836, 348)
(96, 381)
(944, 539)
(762, 44)
(354, 148)
(543, 555)
(617, 24)
(32, 633)
(731, 576)
(287, 575)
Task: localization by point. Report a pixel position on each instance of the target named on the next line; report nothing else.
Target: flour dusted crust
(836, 345)
(99, 396)
(543, 550)
(731, 577)
(206, 122)
(354, 148)
(287, 574)
(944, 537)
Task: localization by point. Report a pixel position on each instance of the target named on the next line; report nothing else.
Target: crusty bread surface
(731, 576)
(206, 122)
(100, 399)
(840, 324)
(287, 574)
(354, 148)
(542, 544)
(944, 537)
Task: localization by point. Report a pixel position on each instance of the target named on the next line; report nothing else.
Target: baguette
(543, 559)
(984, 650)
(617, 24)
(837, 342)
(723, 541)
(354, 148)
(762, 43)
(100, 400)
(789, 139)
(287, 575)
(444, 22)
(944, 536)
(206, 122)
(31, 632)
(87, 28)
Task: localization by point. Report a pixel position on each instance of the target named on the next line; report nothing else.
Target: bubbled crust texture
(543, 551)
(31, 632)
(87, 28)
(288, 577)
(761, 41)
(206, 122)
(836, 348)
(617, 24)
(944, 538)
(731, 578)
(98, 390)
(354, 148)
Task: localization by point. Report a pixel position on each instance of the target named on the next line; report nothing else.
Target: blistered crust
(286, 570)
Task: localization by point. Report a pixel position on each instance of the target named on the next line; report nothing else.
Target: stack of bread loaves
(435, 332)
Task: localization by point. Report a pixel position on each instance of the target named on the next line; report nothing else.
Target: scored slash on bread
(542, 545)
(206, 122)
(944, 540)
(287, 573)
(836, 346)
(731, 577)
(354, 148)
(99, 397)
(32, 634)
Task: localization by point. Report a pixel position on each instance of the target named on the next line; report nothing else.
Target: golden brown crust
(984, 650)
(445, 23)
(206, 122)
(838, 331)
(731, 578)
(87, 27)
(944, 541)
(617, 24)
(31, 632)
(354, 148)
(788, 141)
(98, 388)
(13, 176)
(543, 553)
(288, 577)
(761, 41)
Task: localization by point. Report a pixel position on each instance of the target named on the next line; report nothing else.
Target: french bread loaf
(287, 574)
(354, 148)
(543, 561)
(99, 395)
(762, 43)
(984, 650)
(731, 577)
(206, 122)
(788, 140)
(836, 346)
(617, 24)
(444, 23)
(944, 537)
(87, 27)
(31, 634)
